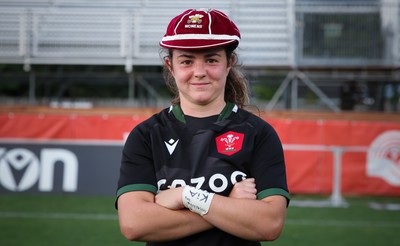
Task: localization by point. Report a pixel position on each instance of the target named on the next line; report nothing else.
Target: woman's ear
(168, 63)
(231, 62)
(232, 59)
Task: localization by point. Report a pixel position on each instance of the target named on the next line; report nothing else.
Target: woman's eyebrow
(207, 55)
(212, 54)
(185, 56)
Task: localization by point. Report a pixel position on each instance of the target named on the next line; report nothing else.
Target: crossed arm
(145, 217)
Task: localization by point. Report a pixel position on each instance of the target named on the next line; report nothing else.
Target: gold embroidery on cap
(194, 21)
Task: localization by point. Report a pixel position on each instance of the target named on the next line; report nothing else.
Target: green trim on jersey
(273, 191)
(178, 113)
(226, 112)
(137, 187)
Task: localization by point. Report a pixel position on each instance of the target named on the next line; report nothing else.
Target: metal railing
(336, 198)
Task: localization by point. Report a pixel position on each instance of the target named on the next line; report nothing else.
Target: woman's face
(200, 76)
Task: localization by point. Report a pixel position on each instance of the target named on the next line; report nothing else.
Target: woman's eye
(186, 62)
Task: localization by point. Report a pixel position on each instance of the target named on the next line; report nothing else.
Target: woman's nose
(199, 70)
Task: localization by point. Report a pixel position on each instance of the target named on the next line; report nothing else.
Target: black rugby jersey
(212, 153)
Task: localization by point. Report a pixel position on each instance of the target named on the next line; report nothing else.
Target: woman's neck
(201, 111)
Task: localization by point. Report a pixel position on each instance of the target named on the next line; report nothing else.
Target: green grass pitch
(77, 220)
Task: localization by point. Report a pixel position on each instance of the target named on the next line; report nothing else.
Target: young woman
(204, 171)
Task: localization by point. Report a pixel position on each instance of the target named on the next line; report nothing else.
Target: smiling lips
(199, 85)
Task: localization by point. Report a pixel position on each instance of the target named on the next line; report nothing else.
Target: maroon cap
(200, 29)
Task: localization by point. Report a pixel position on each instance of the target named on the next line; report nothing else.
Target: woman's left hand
(244, 189)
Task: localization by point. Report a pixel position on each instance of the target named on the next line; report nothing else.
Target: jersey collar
(226, 112)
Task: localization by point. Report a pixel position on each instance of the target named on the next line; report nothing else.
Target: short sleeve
(268, 166)
(137, 169)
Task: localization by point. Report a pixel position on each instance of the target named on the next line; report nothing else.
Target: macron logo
(171, 144)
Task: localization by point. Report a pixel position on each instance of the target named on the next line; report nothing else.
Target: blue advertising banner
(86, 168)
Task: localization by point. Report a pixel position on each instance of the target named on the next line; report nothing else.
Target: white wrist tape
(197, 200)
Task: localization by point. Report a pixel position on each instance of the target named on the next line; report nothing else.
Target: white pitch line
(42, 215)
(93, 216)
(343, 223)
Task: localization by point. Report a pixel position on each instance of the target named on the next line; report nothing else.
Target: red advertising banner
(366, 151)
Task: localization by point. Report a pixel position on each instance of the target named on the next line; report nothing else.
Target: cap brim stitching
(200, 37)
(196, 47)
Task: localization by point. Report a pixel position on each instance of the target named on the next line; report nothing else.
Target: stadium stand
(268, 34)
(275, 33)
(127, 32)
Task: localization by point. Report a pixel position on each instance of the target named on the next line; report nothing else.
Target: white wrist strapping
(197, 200)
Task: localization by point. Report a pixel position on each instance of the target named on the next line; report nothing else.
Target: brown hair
(236, 88)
